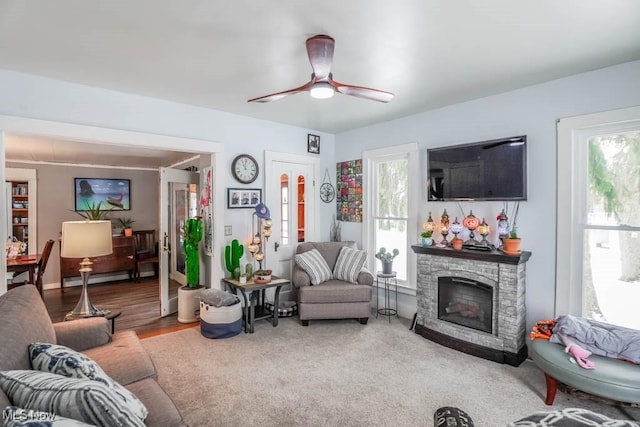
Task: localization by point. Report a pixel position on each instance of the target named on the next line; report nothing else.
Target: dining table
(24, 263)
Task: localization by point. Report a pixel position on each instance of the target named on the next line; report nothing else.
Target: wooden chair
(146, 248)
(42, 265)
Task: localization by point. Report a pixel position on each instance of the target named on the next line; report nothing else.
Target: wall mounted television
(486, 170)
(112, 194)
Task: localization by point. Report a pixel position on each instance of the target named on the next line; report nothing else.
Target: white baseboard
(102, 278)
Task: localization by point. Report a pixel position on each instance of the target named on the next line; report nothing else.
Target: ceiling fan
(320, 51)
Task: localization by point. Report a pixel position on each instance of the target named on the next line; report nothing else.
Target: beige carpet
(340, 373)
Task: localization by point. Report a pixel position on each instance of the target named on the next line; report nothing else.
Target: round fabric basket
(286, 309)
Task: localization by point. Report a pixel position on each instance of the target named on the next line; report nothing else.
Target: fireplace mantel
(490, 256)
(504, 274)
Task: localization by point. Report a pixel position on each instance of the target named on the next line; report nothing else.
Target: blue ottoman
(612, 378)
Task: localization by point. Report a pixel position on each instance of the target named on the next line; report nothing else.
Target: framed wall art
(313, 144)
(243, 198)
(349, 191)
(111, 194)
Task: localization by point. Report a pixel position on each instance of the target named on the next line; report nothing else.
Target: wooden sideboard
(122, 259)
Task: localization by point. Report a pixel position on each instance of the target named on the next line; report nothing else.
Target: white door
(292, 200)
(177, 188)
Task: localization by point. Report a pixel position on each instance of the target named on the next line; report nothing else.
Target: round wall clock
(244, 168)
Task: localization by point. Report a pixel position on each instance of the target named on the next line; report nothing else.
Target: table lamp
(85, 239)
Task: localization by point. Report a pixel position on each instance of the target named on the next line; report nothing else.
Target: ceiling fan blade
(320, 51)
(280, 95)
(362, 92)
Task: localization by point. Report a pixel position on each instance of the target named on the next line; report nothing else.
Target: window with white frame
(598, 272)
(391, 204)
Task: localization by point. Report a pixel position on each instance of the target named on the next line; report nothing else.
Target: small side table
(387, 280)
(112, 317)
(253, 295)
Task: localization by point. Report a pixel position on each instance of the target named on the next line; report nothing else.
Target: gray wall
(56, 201)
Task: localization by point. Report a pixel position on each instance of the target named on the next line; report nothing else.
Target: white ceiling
(217, 54)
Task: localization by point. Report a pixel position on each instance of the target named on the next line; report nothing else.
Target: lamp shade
(83, 239)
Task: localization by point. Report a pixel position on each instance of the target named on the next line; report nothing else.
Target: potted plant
(427, 240)
(387, 259)
(189, 294)
(457, 243)
(93, 212)
(126, 224)
(512, 241)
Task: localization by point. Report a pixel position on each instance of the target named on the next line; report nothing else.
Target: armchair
(333, 298)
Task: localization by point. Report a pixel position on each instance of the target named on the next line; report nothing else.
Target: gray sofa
(24, 320)
(333, 299)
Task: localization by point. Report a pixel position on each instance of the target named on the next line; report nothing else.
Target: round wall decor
(327, 192)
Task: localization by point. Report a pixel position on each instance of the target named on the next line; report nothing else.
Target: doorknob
(276, 245)
(165, 243)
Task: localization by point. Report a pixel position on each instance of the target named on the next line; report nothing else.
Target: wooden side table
(253, 295)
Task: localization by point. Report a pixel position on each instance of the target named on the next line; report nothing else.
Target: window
(284, 209)
(391, 203)
(598, 273)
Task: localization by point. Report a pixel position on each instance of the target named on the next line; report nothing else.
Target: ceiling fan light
(321, 90)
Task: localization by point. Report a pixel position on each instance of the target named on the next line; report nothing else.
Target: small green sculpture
(249, 271)
(193, 235)
(232, 255)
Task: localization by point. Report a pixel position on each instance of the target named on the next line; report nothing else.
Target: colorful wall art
(349, 191)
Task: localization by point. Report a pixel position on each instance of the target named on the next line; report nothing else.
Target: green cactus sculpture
(232, 255)
(248, 271)
(193, 235)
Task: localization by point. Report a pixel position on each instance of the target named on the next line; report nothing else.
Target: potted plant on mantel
(427, 240)
(512, 241)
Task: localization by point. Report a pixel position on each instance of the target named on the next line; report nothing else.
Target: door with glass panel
(178, 200)
(611, 229)
(289, 189)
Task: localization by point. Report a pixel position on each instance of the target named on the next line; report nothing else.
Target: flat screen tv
(487, 170)
(112, 194)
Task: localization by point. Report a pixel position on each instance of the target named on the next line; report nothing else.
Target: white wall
(41, 98)
(532, 111)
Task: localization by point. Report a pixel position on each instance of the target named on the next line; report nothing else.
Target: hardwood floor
(138, 301)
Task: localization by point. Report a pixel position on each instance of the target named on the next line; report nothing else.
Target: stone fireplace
(473, 302)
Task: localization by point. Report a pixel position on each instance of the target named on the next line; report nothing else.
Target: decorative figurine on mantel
(484, 230)
(503, 227)
(471, 222)
(444, 229)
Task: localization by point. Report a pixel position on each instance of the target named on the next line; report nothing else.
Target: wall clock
(244, 168)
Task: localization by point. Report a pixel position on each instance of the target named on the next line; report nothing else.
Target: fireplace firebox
(465, 302)
(473, 302)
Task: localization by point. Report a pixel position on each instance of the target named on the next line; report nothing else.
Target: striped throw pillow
(61, 360)
(349, 263)
(314, 265)
(86, 400)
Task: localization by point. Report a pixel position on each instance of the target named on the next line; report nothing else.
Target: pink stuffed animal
(579, 354)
